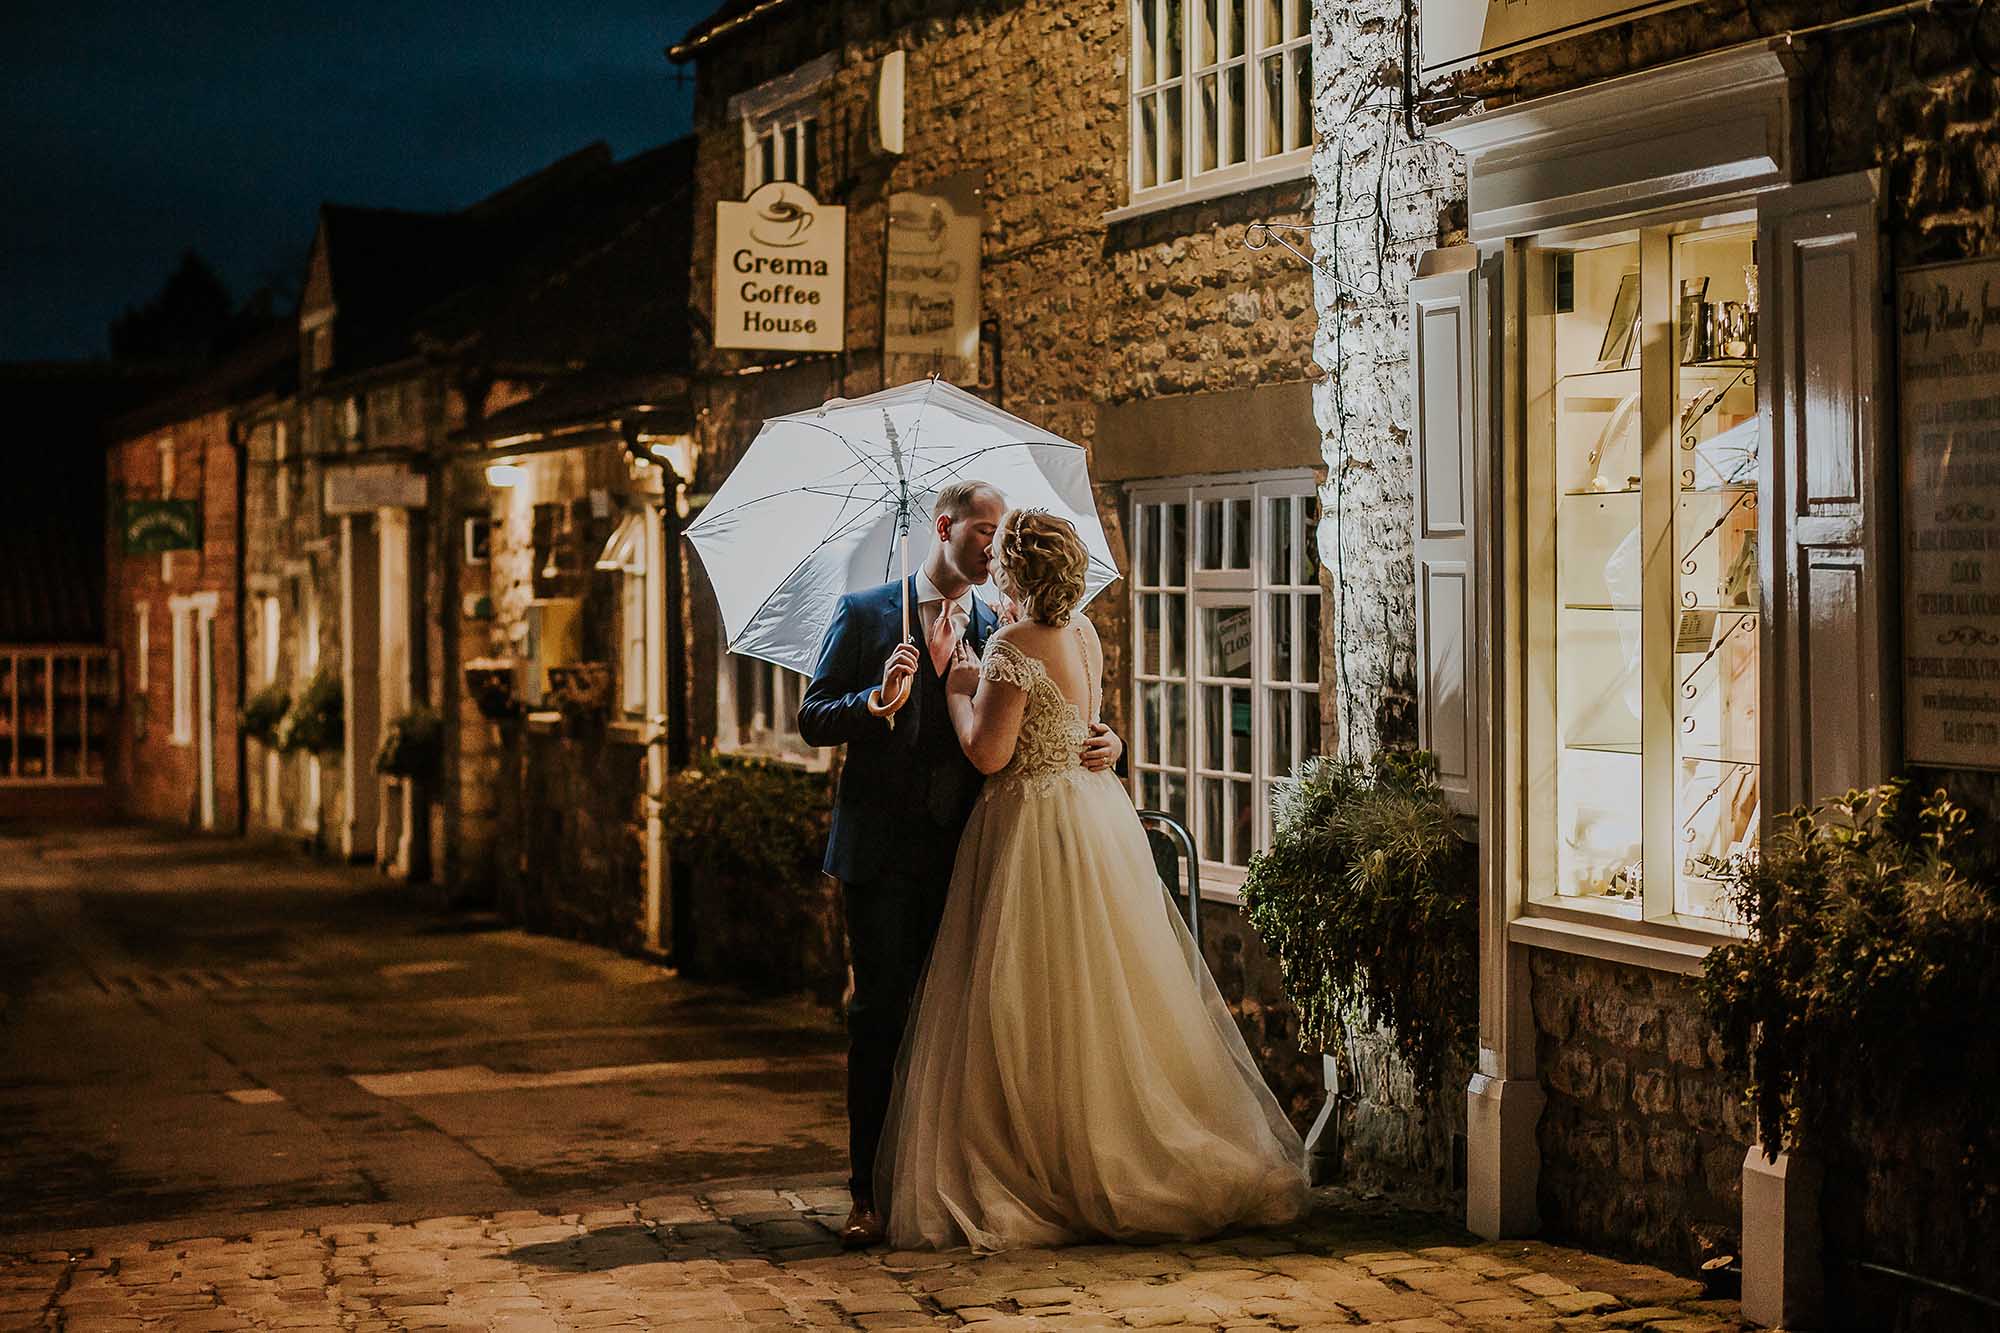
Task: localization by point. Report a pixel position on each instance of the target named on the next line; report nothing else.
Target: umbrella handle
(890, 707)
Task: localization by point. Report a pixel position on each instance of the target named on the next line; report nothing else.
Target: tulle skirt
(1070, 1071)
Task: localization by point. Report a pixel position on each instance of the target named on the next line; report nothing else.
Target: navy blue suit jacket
(905, 791)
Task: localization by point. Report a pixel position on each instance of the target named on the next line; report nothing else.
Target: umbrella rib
(963, 461)
(859, 457)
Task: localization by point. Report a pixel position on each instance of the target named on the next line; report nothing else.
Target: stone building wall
(1087, 315)
(1643, 1136)
(551, 824)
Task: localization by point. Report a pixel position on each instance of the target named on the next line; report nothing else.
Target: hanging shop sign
(1457, 33)
(361, 488)
(930, 295)
(1948, 366)
(152, 526)
(780, 271)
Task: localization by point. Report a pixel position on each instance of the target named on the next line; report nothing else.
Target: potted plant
(490, 682)
(1368, 899)
(316, 722)
(581, 691)
(1870, 948)
(413, 746)
(264, 711)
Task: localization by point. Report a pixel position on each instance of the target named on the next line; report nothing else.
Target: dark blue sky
(130, 132)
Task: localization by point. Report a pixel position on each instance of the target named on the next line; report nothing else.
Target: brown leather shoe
(864, 1228)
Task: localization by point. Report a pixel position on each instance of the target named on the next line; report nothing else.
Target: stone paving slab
(740, 1257)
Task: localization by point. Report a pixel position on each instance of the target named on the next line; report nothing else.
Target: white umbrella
(821, 500)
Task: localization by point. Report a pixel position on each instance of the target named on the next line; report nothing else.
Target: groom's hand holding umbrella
(897, 673)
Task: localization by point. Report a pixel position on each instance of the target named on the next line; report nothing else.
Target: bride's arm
(986, 713)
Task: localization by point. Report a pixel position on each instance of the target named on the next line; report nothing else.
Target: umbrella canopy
(819, 502)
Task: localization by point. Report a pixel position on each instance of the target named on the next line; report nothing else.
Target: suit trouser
(891, 923)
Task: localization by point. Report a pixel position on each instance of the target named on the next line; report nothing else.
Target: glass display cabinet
(1643, 610)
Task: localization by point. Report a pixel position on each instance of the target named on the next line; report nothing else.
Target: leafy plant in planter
(757, 909)
(581, 691)
(1368, 899)
(264, 712)
(315, 723)
(1871, 952)
(765, 820)
(413, 746)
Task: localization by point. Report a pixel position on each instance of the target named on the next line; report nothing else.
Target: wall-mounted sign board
(152, 526)
(930, 297)
(780, 271)
(1948, 374)
(1457, 33)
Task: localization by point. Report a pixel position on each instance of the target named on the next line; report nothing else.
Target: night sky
(130, 132)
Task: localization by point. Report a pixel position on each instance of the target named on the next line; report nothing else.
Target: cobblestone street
(763, 1257)
(244, 1090)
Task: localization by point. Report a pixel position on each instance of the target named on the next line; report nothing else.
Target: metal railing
(56, 702)
(1173, 846)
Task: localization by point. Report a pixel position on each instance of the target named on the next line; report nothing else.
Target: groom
(905, 794)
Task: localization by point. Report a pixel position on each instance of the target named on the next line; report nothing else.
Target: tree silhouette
(184, 320)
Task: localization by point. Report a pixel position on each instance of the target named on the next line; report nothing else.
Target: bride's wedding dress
(1071, 1070)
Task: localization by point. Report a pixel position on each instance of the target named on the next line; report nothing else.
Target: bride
(1071, 1071)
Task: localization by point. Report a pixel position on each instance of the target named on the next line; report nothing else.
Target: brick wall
(153, 775)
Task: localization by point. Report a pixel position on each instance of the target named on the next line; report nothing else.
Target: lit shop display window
(1644, 589)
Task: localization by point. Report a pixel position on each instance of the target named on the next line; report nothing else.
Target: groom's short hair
(956, 500)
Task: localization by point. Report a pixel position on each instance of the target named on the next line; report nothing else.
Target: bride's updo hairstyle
(1044, 562)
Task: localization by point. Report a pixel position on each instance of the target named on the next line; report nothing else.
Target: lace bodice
(1053, 729)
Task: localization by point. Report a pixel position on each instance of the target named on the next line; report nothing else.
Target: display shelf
(1606, 747)
(1567, 376)
(1590, 494)
(1601, 606)
(1722, 363)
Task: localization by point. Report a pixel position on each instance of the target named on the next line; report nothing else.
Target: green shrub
(1869, 970)
(315, 722)
(264, 711)
(764, 820)
(413, 746)
(1368, 899)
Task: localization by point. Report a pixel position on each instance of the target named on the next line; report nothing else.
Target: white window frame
(778, 693)
(1253, 585)
(142, 647)
(786, 111)
(271, 627)
(626, 555)
(1170, 79)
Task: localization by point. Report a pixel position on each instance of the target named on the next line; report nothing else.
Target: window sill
(1662, 947)
(544, 724)
(1281, 171)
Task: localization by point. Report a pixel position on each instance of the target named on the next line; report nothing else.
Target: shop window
(781, 127)
(625, 555)
(1226, 659)
(1651, 737)
(1703, 526)
(758, 712)
(1221, 95)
